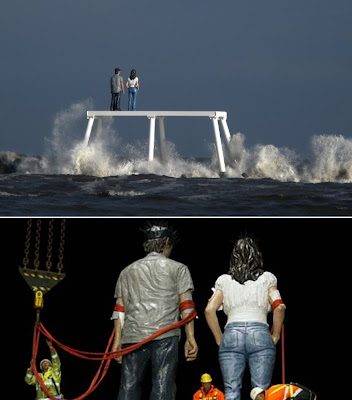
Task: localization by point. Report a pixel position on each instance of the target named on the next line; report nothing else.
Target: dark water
(150, 194)
(71, 179)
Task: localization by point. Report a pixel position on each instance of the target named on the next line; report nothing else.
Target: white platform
(150, 114)
(215, 116)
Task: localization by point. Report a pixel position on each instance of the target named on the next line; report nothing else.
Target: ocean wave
(330, 161)
(329, 158)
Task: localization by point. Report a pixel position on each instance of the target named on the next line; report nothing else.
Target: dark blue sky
(282, 70)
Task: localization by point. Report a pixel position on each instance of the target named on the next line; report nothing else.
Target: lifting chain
(38, 280)
(37, 244)
(61, 247)
(50, 245)
(50, 242)
(27, 243)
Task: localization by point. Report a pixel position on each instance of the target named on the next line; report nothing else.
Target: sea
(71, 179)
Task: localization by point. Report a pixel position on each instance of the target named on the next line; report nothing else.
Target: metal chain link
(27, 243)
(37, 244)
(49, 261)
(50, 245)
(61, 248)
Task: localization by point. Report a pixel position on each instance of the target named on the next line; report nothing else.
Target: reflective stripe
(48, 398)
(276, 390)
(288, 391)
(49, 382)
(210, 397)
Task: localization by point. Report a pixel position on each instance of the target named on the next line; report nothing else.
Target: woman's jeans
(132, 98)
(161, 356)
(242, 342)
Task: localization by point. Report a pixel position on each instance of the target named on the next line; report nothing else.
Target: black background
(306, 254)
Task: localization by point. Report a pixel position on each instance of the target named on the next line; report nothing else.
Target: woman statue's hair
(133, 74)
(246, 261)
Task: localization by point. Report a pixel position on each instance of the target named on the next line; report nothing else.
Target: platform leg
(151, 138)
(162, 139)
(88, 131)
(219, 146)
(99, 128)
(225, 129)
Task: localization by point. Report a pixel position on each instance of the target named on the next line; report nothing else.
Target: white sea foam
(329, 159)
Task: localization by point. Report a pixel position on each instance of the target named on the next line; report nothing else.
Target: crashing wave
(330, 158)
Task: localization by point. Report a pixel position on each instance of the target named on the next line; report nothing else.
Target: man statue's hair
(156, 234)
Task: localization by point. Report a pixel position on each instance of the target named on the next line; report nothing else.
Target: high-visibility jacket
(51, 378)
(213, 394)
(287, 391)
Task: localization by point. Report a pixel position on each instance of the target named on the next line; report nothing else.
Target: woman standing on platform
(247, 293)
(133, 86)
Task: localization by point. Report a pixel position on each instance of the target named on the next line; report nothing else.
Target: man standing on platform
(151, 293)
(116, 86)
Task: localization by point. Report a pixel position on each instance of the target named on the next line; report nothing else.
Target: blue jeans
(159, 355)
(244, 342)
(132, 98)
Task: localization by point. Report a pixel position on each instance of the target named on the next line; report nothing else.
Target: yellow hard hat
(205, 378)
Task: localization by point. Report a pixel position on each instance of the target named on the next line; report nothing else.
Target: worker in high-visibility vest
(50, 375)
(208, 391)
(283, 391)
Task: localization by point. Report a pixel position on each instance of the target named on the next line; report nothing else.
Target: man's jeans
(132, 98)
(161, 357)
(242, 342)
(115, 102)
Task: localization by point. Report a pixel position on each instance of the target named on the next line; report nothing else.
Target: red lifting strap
(119, 308)
(276, 303)
(187, 304)
(100, 374)
(282, 352)
(105, 358)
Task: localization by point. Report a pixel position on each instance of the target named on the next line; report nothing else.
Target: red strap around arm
(276, 303)
(186, 304)
(119, 308)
